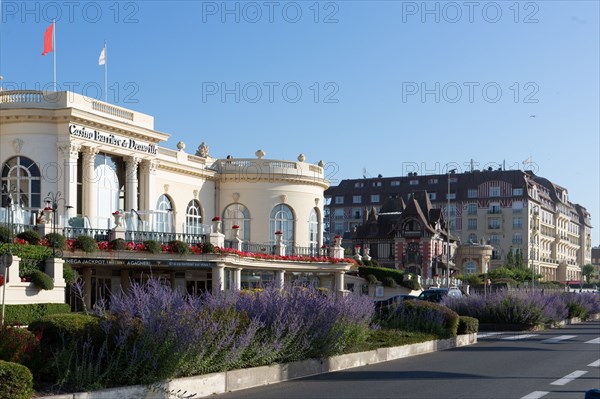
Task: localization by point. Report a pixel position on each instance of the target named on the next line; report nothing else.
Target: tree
(519, 262)
(510, 259)
(587, 271)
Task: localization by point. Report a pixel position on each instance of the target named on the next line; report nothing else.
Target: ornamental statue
(202, 150)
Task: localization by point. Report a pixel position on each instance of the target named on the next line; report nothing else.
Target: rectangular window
(494, 224)
(433, 180)
(358, 185)
(356, 213)
(494, 191)
(338, 214)
(517, 238)
(472, 209)
(517, 222)
(451, 196)
(356, 199)
(395, 183)
(432, 196)
(453, 179)
(517, 191)
(339, 228)
(517, 207)
(376, 184)
(339, 199)
(414, 182)
(472, 193)
(494, 239)
(494, 209)
(472, 224)
(375, 198)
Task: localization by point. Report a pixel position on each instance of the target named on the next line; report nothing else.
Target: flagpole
(54, 48)
(105, 72)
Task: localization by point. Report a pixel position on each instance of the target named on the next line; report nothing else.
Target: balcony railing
(269, 249)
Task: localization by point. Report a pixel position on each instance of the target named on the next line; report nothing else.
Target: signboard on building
(112, 139)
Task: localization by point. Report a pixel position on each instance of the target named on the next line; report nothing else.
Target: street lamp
(451, 171)
(52, 200)
(7, 258)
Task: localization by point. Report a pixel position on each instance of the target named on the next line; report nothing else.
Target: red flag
(48, 40)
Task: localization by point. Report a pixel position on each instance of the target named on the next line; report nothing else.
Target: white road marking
(517, 337)
(595, 364)
(568, 378)
(593, 341)
(490, 334)
(536, 395)
(558, 339)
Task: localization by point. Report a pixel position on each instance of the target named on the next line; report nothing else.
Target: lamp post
(52, 200)
(7, 258)
(451, 171)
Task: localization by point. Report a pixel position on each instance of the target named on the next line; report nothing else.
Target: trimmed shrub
(208, 248)
(86, 244)
(423, 316)
(389, 282)
(57, 239)
(58, 328)
(41, 280)
(467, 325)
(16, 381)
(4, 234)
(32, 237)
(25, 314)
(69, 274)
(371, 278)
(381, 273)
(153, 247)
(179, 247)
(118, 244)
(413, 284)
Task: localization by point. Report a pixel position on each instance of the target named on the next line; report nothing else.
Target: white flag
(102, 58)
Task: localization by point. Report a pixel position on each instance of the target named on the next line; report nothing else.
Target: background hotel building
(508, 209)
(103, 158)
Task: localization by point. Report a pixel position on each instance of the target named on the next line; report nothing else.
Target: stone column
(89, 184)
(237, 279)
(131, 188)
(148, 196)
(54, 268)
(279, 278)
(218, 278)
(69, 153)
(125, 283)
(87, 288)
(339, 281)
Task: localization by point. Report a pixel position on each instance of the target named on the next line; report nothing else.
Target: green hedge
(118, 244)
(32, 256)
(467, 325)
(32, 237)
(58, 328)
(153, 247)
(58, 239)
(86, 244)
(16, 381)
(179, 247)
(4, 234)
(25, 314)
(41, 280)
(423, 316)
(17, 345)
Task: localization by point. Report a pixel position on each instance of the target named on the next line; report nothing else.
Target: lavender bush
(154, 333)
(504, 307)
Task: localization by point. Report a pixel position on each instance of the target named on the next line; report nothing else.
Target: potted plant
(118, 216)
(216, 224)
(236, 231)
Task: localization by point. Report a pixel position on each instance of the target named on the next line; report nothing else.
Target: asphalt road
(553, 364)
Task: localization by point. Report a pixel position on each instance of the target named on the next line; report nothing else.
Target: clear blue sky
(361, 66)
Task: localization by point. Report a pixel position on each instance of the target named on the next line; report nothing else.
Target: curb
(233, 380)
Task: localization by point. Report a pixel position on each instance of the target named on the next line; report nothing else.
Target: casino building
(105, 168)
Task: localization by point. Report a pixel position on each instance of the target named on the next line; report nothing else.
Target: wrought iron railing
(97, 234)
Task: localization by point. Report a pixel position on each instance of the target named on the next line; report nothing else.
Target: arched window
(282, 219)
(164, 215)
(470, 267)
(313, 230)
(193, 218)
(22, 175)
(236, 215)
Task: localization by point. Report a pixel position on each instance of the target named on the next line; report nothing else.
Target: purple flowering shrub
(504, 307)
(153, 333)
(582, 304)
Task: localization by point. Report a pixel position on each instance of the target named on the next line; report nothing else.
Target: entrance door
(107, 200)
